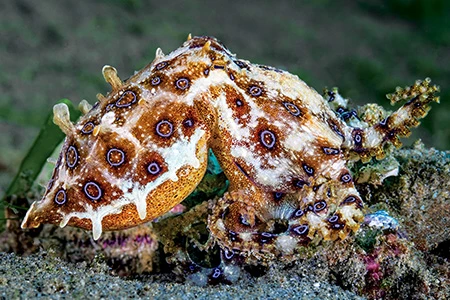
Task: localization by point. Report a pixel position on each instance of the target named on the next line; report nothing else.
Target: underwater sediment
(400, 251)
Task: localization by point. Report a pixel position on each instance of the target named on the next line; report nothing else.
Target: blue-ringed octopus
(283, 147)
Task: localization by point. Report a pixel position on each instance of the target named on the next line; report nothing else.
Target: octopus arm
(365, 143)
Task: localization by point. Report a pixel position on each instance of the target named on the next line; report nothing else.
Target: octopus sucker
(285, 150)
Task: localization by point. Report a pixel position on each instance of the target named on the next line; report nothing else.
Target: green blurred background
(55, 49)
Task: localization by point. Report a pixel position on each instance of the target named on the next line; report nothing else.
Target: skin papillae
(143, 148)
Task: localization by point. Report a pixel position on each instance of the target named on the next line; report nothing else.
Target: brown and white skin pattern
(143, 148)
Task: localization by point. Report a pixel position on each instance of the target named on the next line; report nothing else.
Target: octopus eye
(155, 81)
(319, 206)
(309, 170)
(71, 157)
(255, 91)
(182, 83)
(292, 109)
(154, 168)
(87, 128)
(300, 229)
(267, 138)
(161, 65)
(330, 151)
(60, 197)
(164, 128)
(115, 157)
(345, 178)
(127, 99)
(92, 190)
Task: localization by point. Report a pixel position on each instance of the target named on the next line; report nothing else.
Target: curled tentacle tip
(31, 220)
(96, 234)
(84, 106)
(61, 117)
(111, 77)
